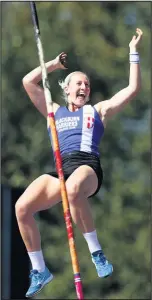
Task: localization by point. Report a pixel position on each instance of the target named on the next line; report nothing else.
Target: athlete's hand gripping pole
(49, 105)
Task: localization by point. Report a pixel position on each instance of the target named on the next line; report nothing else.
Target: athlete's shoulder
(60, 109)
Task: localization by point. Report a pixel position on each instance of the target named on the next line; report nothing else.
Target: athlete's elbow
(134, 90)
(25, 81)
(28, 78)
(28, 84)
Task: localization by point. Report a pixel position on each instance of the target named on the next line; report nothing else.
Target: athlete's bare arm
(33, 89)
(110, 107)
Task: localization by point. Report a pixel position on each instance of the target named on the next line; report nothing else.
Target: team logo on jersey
(67, 123)
(89, 122)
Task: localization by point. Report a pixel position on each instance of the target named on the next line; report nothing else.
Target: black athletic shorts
(71, 161)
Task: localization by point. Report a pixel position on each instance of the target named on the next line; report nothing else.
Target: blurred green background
(95, 35)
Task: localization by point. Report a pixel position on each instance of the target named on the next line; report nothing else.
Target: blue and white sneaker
(103, 267)
(38, 281)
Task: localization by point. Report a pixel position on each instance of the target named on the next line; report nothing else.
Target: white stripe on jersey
(87, 128)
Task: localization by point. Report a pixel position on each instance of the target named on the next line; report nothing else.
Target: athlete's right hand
(61, 61)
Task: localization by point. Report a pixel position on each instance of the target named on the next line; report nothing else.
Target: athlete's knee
(73, 191)
(21, 210)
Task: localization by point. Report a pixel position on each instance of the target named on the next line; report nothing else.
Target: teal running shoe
(103, 267)
(38, 281)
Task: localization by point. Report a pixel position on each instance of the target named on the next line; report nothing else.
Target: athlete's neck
(72, 107)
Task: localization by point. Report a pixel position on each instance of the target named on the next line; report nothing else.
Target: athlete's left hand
(136, 40)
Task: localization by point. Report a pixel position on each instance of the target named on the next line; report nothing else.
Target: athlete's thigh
(85, 179)
(41, 194)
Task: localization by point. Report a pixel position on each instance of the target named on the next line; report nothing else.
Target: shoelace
(100, 260)
(35, 276)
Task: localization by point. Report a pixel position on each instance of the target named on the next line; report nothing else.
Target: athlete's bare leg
(42, 193)
(80, 185)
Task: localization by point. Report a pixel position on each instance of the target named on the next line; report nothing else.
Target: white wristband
(134, 58)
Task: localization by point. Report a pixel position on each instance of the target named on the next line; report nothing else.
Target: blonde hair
(64, 83)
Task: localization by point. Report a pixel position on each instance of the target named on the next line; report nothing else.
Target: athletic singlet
(81, 130)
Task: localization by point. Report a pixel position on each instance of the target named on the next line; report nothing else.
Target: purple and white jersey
(81, 130)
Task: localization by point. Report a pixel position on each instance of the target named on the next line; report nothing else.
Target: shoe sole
(45, 282)
(106, 275)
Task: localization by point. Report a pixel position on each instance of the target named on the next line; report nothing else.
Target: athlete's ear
(66, 89)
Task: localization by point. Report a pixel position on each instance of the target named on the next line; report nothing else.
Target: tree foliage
(96, 36)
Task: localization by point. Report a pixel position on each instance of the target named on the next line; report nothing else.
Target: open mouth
(81, 95)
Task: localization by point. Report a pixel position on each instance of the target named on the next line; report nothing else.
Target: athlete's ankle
(92, 241)
(37, 260)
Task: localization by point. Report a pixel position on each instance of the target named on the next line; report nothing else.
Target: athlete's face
(78, 90)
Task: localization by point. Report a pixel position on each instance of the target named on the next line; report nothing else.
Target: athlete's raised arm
(110, 107)
(33, 89)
